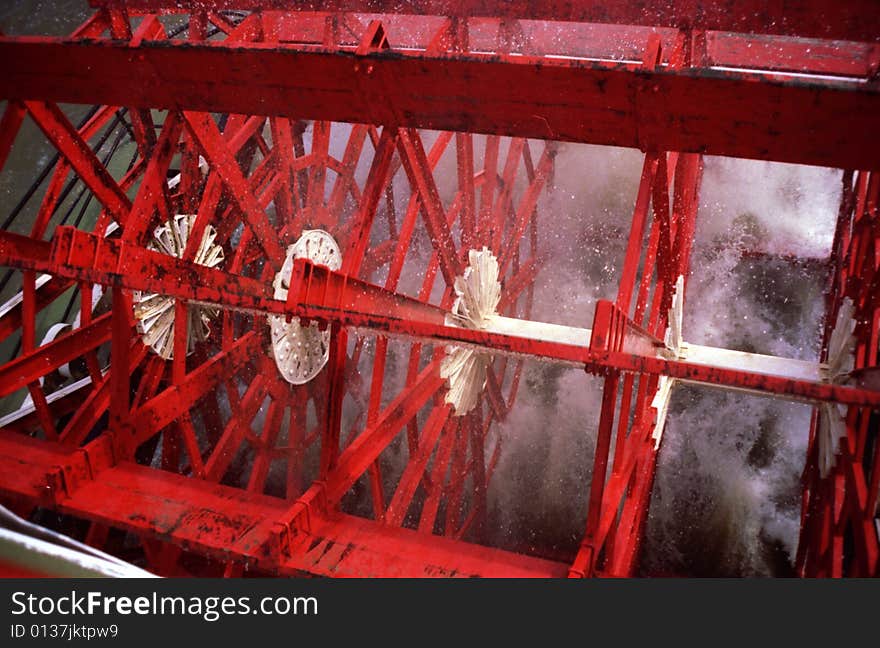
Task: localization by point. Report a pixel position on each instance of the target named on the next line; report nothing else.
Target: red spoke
(158, 412)
(71, 145)
(219, 156)
(409, 481)
(526, 208)
(233, 435)
(417, 168)
(97, 403)
(40, 361)
(9, 125)
(363, 222)
(152, 193)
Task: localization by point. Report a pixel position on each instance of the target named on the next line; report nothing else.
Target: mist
(726, 498)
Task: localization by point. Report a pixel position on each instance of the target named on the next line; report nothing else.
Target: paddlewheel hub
(301, 351)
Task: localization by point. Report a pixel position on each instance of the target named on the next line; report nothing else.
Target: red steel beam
(93, 407)
(42, 360)
(152, 193)
(13, 115)
(177, 399)
(346, 300)
(800, 55)
(318, 293)
(230, 523)
(221, 158)
(418, 170)
(601, 455)
(739, 114)
(64, 136)
(595, 40)
(364, 548)
(849, 20)
(367, 447)
(415, 469)
(11, 321)
(234, 434)
(844, 502)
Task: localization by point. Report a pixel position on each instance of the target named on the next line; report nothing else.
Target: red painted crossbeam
(317, 293)
(591, 40)
(847, 20)
(617, 343)
(739, 114)
(231, 524)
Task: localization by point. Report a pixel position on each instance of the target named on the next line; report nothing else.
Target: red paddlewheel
(278, 338)
(842, 494)
(206, 398)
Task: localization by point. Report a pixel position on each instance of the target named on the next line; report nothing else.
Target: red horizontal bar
(598, 41)
(800, 55)
(845, 20)
(44, 472)
(24, 466)
(796, 119)
(79, 255)
(232, 524)
(319, 294)
(24, 252)
(746, 380)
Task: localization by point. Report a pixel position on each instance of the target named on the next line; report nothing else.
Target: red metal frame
(750, 114)
(811, 18)
(842, 506)
(615, 73)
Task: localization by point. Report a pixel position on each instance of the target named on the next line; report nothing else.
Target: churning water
(726, 494)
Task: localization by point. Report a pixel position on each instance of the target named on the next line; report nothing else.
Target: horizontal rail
(754, 362)
(848, 20)
(317, 293)
(231, 524)
(739, 114)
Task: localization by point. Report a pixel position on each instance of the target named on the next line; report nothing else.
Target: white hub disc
(302, 351)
